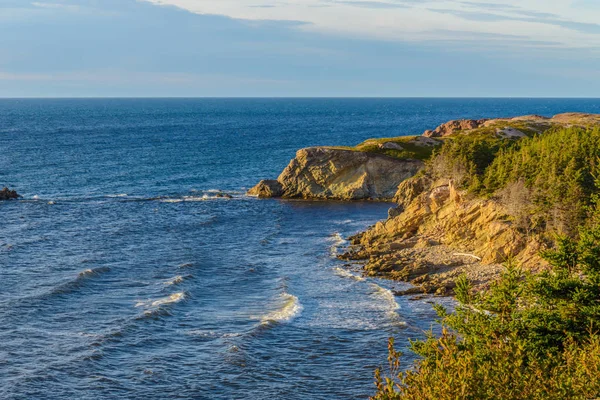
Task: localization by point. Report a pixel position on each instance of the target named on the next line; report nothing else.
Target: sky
(300, 48)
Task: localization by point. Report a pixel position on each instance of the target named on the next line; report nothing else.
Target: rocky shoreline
(437, 231)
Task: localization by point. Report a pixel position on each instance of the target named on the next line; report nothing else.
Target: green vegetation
(527, 337)
(545, 180)
(409, 147)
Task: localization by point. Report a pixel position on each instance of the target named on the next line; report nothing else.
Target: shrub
(526, 337)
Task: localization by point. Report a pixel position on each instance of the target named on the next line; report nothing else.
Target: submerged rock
(7, 194)
(339, 174)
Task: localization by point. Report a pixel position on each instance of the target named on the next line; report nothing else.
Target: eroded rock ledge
(438, 233)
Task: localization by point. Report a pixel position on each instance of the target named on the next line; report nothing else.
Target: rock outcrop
(436, 232)
(439, 233)
(267, 188)
(7, 194)
(339, 174)
(452, 127)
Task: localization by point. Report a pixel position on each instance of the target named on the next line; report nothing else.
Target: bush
(527, 337)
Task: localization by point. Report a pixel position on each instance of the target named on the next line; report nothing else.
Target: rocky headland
(439, 229)
(370, 171)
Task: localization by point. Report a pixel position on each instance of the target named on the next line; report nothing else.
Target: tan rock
(266, 188)
(340, 174)
(452, 127)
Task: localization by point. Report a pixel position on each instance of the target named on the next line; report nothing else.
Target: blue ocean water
(123, 275)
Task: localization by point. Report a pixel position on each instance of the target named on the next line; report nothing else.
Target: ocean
(124, 275)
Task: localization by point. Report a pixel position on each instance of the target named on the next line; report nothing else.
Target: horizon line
(293, 97)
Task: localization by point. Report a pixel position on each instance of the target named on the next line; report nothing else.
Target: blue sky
(399, 48)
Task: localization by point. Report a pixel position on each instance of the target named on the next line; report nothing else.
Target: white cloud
(563, 22)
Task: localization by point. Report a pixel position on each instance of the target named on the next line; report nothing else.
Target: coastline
(437, 231)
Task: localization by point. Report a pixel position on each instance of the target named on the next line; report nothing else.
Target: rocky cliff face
(339, 174)
(438, 233)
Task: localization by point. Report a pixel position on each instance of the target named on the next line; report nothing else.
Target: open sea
(123, 275)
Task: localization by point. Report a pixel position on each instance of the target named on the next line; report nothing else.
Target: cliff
(467, 208)
(471, 210)
(438, 233)
(370, 171)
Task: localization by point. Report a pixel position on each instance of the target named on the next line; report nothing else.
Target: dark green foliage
(547, 180)
(465, 158)
(527, 337)
(559, 169)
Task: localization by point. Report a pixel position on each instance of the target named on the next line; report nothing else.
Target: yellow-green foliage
(527, 337)
(411, 149)
(456, 373)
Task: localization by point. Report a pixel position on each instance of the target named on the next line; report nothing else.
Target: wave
(77, 283)
(390, 299)
(212, 334)
(93, 272)
(338, 242)
(347, 274)
(174, 298)
(176, 280)
(290, 307)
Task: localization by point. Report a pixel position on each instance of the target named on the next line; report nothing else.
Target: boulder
(266, 188)
(390, 146)
(7, 194)
(453, 127)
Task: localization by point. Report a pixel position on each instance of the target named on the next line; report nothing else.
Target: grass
(411, 148)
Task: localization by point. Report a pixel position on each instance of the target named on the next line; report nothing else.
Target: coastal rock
(390, 146)
(267, 188)
(339, 174)
(436, 234)
(452, 127)
(7, 194)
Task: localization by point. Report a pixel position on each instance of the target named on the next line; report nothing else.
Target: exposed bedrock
(339, 174)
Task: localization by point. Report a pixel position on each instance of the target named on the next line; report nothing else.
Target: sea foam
(338, 243)
(347, 274)
(290, 307)
(174, 298)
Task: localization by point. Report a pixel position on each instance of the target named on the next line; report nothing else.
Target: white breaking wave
(388, 296)
(93, 272)
(289, 309)
(175, 280)
(174, 298)
(338, 242)
(347, 274)
(117, 195)
(204, 197)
